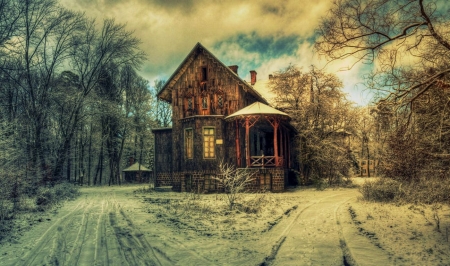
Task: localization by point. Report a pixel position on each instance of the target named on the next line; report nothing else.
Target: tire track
(132, 242)
(55, 235)
(271, 258)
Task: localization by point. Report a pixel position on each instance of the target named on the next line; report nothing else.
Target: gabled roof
(257, 108)
(135, 168)
(165, 92)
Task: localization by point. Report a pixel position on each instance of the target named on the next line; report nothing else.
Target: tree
(163, 110)
(408, 39)
(321, 115)
(409, 42)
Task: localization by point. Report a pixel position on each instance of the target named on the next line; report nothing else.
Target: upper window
(188, 143)
(209, 142)
(204, 103)
(189, 104)
(204, 73)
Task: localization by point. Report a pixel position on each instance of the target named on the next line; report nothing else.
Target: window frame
(187, 142)
(213, 142)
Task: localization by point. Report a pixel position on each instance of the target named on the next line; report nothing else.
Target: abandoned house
(217, 116)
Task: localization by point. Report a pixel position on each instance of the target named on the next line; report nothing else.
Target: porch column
(238, 147)
(275, 125)
(281, 144)
(247, 141)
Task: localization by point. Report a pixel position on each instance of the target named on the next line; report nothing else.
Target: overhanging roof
(165, 92)
(257, 108)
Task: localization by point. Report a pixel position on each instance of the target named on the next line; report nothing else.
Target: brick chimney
(234, 68)
(131, 161)
(253, 77)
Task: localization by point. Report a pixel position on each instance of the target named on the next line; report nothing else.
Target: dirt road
(114, 226)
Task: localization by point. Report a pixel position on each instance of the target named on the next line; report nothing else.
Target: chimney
(131, 161)
(253, 77)
(234, 68)
(270, 76)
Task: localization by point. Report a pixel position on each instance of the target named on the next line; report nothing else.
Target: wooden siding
(163, 150)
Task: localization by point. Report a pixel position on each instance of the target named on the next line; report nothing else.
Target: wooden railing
(265, 161)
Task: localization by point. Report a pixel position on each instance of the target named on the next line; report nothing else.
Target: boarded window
(188, 143)
(209, 142)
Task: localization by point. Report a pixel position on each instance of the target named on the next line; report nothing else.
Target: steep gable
(166, 92)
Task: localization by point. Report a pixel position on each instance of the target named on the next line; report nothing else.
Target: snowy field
(131, 225)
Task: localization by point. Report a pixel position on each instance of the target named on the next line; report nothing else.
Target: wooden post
(238, 151)
(275, 140)
(281, 143)
(247, 141)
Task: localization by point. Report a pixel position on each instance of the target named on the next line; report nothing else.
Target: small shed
(136, 173)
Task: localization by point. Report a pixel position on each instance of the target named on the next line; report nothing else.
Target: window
(204, 74)
(204, 103)
(188, 143)
(208, 142)
(220, 101)
(189, 103)
(210, 182)
(363, 162)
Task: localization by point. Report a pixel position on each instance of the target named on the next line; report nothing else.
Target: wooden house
(217, 117)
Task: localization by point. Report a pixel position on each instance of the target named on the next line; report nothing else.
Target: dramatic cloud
(259, 35)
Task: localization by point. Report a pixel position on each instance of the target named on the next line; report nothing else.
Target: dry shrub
(425, 190)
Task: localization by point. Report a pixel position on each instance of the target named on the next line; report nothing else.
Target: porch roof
(257, 108)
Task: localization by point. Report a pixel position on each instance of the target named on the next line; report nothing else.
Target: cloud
(261, 35)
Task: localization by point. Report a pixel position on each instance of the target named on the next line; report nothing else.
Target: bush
(59, 192)
(425, 190)
(382, 190)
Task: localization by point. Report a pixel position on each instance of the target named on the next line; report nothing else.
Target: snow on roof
(262, 87)
(255, 109)
(135, 168)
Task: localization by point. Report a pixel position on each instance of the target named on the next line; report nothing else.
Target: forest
(73, 105)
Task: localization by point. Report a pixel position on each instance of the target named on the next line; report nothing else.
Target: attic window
(189, 103)
(204, 73)
(220, 101)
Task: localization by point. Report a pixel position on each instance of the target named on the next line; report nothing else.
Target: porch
(262, 137)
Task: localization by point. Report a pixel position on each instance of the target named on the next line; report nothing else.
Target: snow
(132, 225)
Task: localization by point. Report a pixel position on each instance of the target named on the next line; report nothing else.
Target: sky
(261, 35)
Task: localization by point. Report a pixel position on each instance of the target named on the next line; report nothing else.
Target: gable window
(204, 74)
(189, 103)
(209, 142)
(220, 101)
(188, 143)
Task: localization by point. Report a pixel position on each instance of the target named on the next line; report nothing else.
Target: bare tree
(385, 32)
(234, 181)
(409, 42)
(163, 110)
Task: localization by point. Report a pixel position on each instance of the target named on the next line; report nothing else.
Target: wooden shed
(136, 173)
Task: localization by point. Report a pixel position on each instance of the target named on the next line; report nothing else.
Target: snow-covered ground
(130, 225)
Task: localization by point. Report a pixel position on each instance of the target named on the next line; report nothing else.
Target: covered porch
(262, 137)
